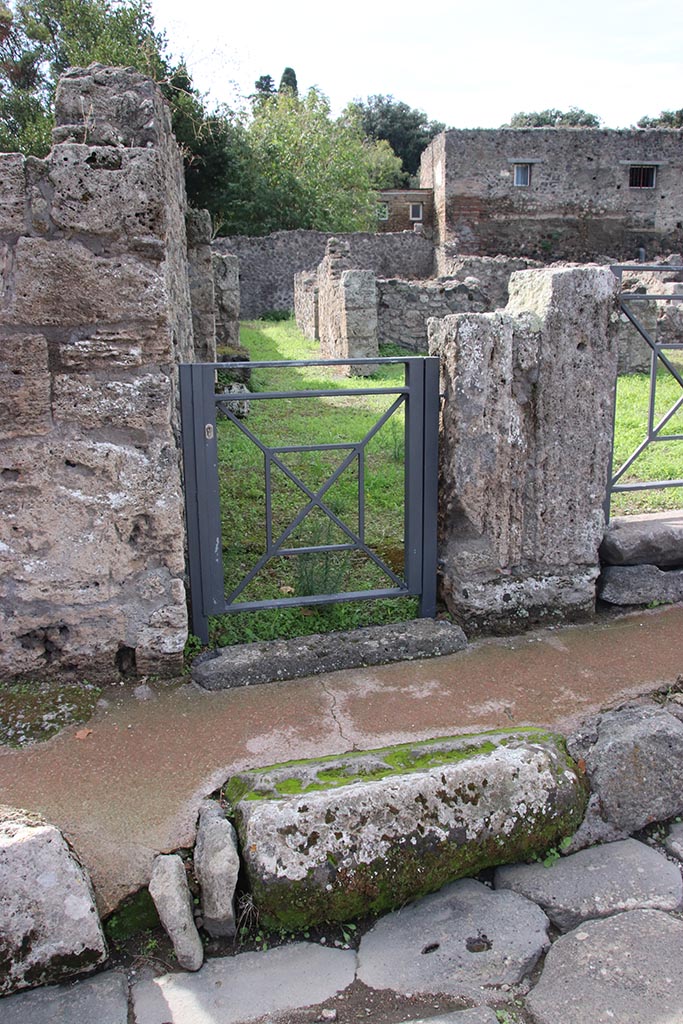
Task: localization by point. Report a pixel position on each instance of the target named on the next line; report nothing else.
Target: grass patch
(336, 420)
(662, 460)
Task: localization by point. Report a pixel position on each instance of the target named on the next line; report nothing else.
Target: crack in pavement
(333, 712)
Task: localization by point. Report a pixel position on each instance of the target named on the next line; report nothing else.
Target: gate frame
(199, 401)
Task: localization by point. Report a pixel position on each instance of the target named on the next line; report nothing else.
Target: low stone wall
(95, 313)
(404, 307)
(347, 309)
(269, 265)
(306, 304)
(525, 449)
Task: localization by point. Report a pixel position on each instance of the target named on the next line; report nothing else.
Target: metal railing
(200, 403)
(628, 302)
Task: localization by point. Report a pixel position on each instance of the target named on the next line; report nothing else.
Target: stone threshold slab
(266, 662)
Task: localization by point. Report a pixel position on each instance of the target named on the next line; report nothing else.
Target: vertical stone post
(200, 279)
(525, 449)
(347, 308)
(94, 317)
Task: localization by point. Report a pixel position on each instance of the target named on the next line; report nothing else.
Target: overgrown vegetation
(662, 460)
(339, 420)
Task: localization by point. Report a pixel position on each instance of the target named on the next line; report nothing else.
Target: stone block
(107, 191)
(103, 348)
(63, 284)
(655, 538)
(359, 289)
(109, 106)
(362, 833)
(50, 927)
(640, 584)
(634, 760)
(141, 403)
(13, 196)
(24, 386)
(217, 866)
(102, 999)
(169, 889)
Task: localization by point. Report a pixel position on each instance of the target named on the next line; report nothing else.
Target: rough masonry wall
(403, 308)
(94, 316)
(347, 309)
(201, 283)
(525, 449)
(268, 265)
(578, 204)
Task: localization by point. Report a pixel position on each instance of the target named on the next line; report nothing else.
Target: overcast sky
(470, 64)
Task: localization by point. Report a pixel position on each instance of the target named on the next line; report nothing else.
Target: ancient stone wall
(575, 195)
(404, 307)
(347, 308)
(306, 303)
(268, 265)
(201, 282)
(525, 448)
(94, 315)
(226, 286)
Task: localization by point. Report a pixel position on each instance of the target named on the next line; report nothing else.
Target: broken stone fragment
(49, 927)
(217, 865)
(362, 833)
(169, 889)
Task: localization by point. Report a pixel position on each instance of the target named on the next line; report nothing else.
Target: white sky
(470, 64)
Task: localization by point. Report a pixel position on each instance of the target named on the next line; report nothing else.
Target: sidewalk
(131, 788)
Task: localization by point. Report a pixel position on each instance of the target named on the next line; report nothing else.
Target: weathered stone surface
(525, 448)
(50, 928)
(477, 1015)
(626, 969)
(216, 865)
(24, 386)
(634, 352)
(342, 837)
(597, 882)
(109, 106)
(247, 986)
(674, 841)
(652, 539)
(115, 348)
(99, 1000)
(139, 403)
(463, 941)
(200, 277)
(226, 286)
(245, 664)
(634, 760)
(63, 283)
(403, 308)
(169, 890)
(240, 408)
(640, 584)
(13, 197)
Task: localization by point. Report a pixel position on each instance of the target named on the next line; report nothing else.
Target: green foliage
(554, 118)
(666, 119)
(385, 168)
(406, 129)
(288, 82)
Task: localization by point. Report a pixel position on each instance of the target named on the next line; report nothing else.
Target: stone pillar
(347, 309)
(525, 449)
(94, 317)
(226, 285)
(200, 278)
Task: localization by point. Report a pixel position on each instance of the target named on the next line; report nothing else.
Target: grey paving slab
(622, 970)
(234, 990)
(478, 1015)
(464, 941)
(99, 1000)
(597, 882)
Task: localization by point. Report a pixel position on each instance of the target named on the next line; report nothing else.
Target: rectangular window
(382, 211)
(416, 211)
(642, 176)
(522, 175)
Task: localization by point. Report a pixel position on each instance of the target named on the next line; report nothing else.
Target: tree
(288, 81)
(406, 129)
(667, 119)
(553, 118)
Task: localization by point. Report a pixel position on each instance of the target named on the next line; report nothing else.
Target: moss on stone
(134, 915)
(31, 710)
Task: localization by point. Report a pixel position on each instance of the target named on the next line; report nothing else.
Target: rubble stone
(169, 890)
(652, 539)
(217, 865)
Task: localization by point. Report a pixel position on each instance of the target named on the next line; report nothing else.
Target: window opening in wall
(642, 176)
(382, 211)
(416, 211)
(522, 175)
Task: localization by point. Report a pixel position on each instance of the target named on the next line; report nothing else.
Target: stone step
(246, 664)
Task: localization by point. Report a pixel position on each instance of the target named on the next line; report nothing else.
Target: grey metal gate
(655, 431)
(418, 396)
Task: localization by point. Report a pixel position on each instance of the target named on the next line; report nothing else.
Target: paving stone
(597, 882)
(245, 664)
(169, 889)
(623, 970)
(247, 986)
(99, 1000)
(478, 1015)
(674, 841)
(640, 584)
(462, 941)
